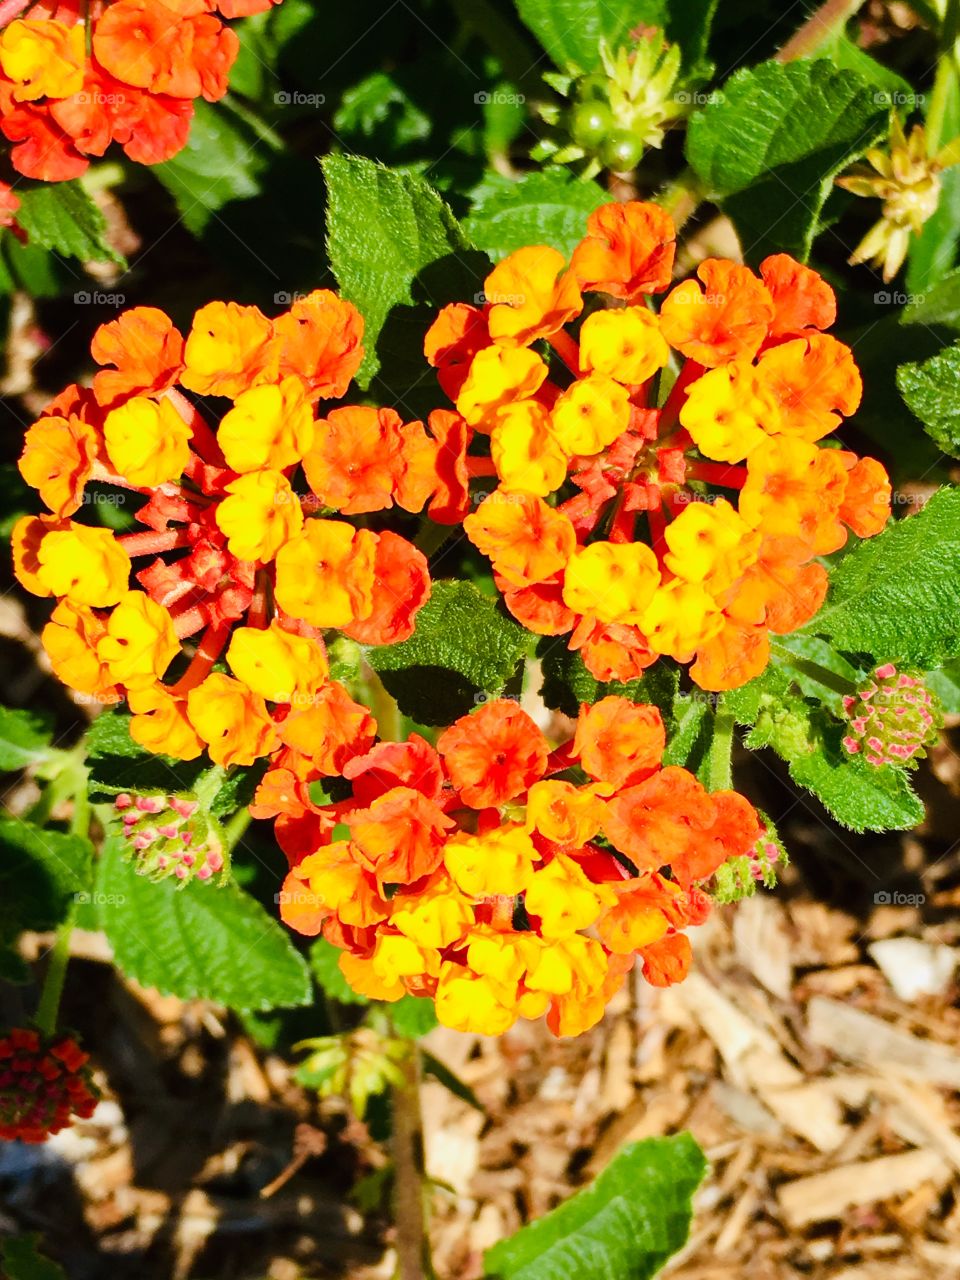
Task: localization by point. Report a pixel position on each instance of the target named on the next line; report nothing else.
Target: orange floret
(723, 315)
(530, 296)
(320, 341)
(493, 754)
(801, 298)
(355, 459)
(526, 541)
(619, 742)
(146, 350)
(628, 250)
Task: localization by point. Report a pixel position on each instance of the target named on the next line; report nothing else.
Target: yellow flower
(563, 813)
(43, 58)
(231, 720)
(626, 345)
(87, 565)
(276, 664)
(437, 917)
(530, 296)
(147, 441)
(397, 957)
(160, 724)
(139, 643)
(528, 457)
(359, 973)
(229, 349)
(467, 1002)
(611, 581)
(70, 641)
(729, 411)
(497, 377)
(564, 900)
(268, 426)
(681, 617)
(261, 514)
(591, 414)
(711, 544)
(500, 862)
(325, 575)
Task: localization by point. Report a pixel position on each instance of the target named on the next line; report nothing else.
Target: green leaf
(380, 112)
(688, 24)
(939, 305)
(687, 724)
(24, 739)
(571, 30)
(419, 262)
(546, 207)
(22, 1261)
(934, 251)
(197, 940)
(771, 146)
(567, 683)
(848, 56)
(61, 216)
(450, 1080)
(117, 763)
(856, 794)
(413, 1016)
(945, 685)
(464, 648)
(896, 597)
(932, 392)
(325, 963)
(42, 872)
(624, 1226)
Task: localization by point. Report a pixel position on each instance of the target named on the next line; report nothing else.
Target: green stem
(814, 671)
(818, 28)
(409, 1173)
(384, 707)
(49, 1006)
(235, 829)
(718, 766)
(945, 77)
(431, 536)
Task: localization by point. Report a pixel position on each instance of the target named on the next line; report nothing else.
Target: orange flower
(58, 458)
(329, 729)
(454, 338)
(733, 656)
(733, 833)
(526, 541)
(724, 316)
(801, 299)
(70, 641)
(146, 350)
(355, 459)
(612, 651)
(530, 296)
(540, 607)
(151, 46)
(160, 723)
(325, 574)
(229, 348)
(320, 341)
(401, 586)
(619, 742)
(401, 836)
(628, 250)
(813, 381)
(493, 754)
(655, 821)
(231, 720)
(866, 501)
(667, 961)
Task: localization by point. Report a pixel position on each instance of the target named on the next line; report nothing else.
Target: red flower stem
(208, 651)
(188, 621)
(152, 543)
(658, 529)
(718, 473)
(204, 441)
(502, 911)
(621, 530)
(257, 613)
(567, 349)
(670, 413)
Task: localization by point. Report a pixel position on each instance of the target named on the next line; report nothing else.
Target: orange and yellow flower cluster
(75, 77)
(503, 878)
(43, 1082)
(244, 553)
(685, 524)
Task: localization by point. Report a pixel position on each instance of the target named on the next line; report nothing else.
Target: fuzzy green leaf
(624, 1226)
(61, 216)
(567, 683)
(939, 305)
(571, 30)
(413, 1016)
(197, 940)
(896, 597)
(24, 739)
(463, 650)
(771, 146)
(546, 207)
(41, 873)
(421, 261)
(932, 392)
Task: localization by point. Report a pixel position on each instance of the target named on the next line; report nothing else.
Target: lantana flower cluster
(501, 877)
(245, 558)
(75, 77)
(687, 524)
(43, 1082)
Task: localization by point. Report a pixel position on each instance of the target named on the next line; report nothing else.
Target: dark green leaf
(413, 1016)
(22, 1261)
(379, 112)
(548, 207)
(443, 1075)
(771, 146)
(61, 216)
(932, 392)
(945, 684)
(463, 650)
(117, 763)
(24, 738)
(624, 1226)
(197, 940)
(571, 30)
(938, 306)
(567, 683)
(42, 872)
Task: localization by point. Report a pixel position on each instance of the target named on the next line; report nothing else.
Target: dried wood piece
(824, 1196)
(762, 940)
(856, 1036)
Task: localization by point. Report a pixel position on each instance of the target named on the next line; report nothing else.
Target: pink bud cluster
(892, 719)
(170, 835)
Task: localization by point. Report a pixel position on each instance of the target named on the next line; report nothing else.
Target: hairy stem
(49, 1006)
(820, 26)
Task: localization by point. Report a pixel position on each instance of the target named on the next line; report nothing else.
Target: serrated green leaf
(421, 260)
(197, 940)
(413, 1016)
(61, 216)
(380, 112)
(117, 763)
(464, 648)
(325, 963)
(24, 738)
(771, 146)
(687, 722)
(932, 393)
(567, 683)
(546, 207)
(896, 597)
(23, 1261)
(41, 873)
(624, 1226)
(571, 30)
(945, 685)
